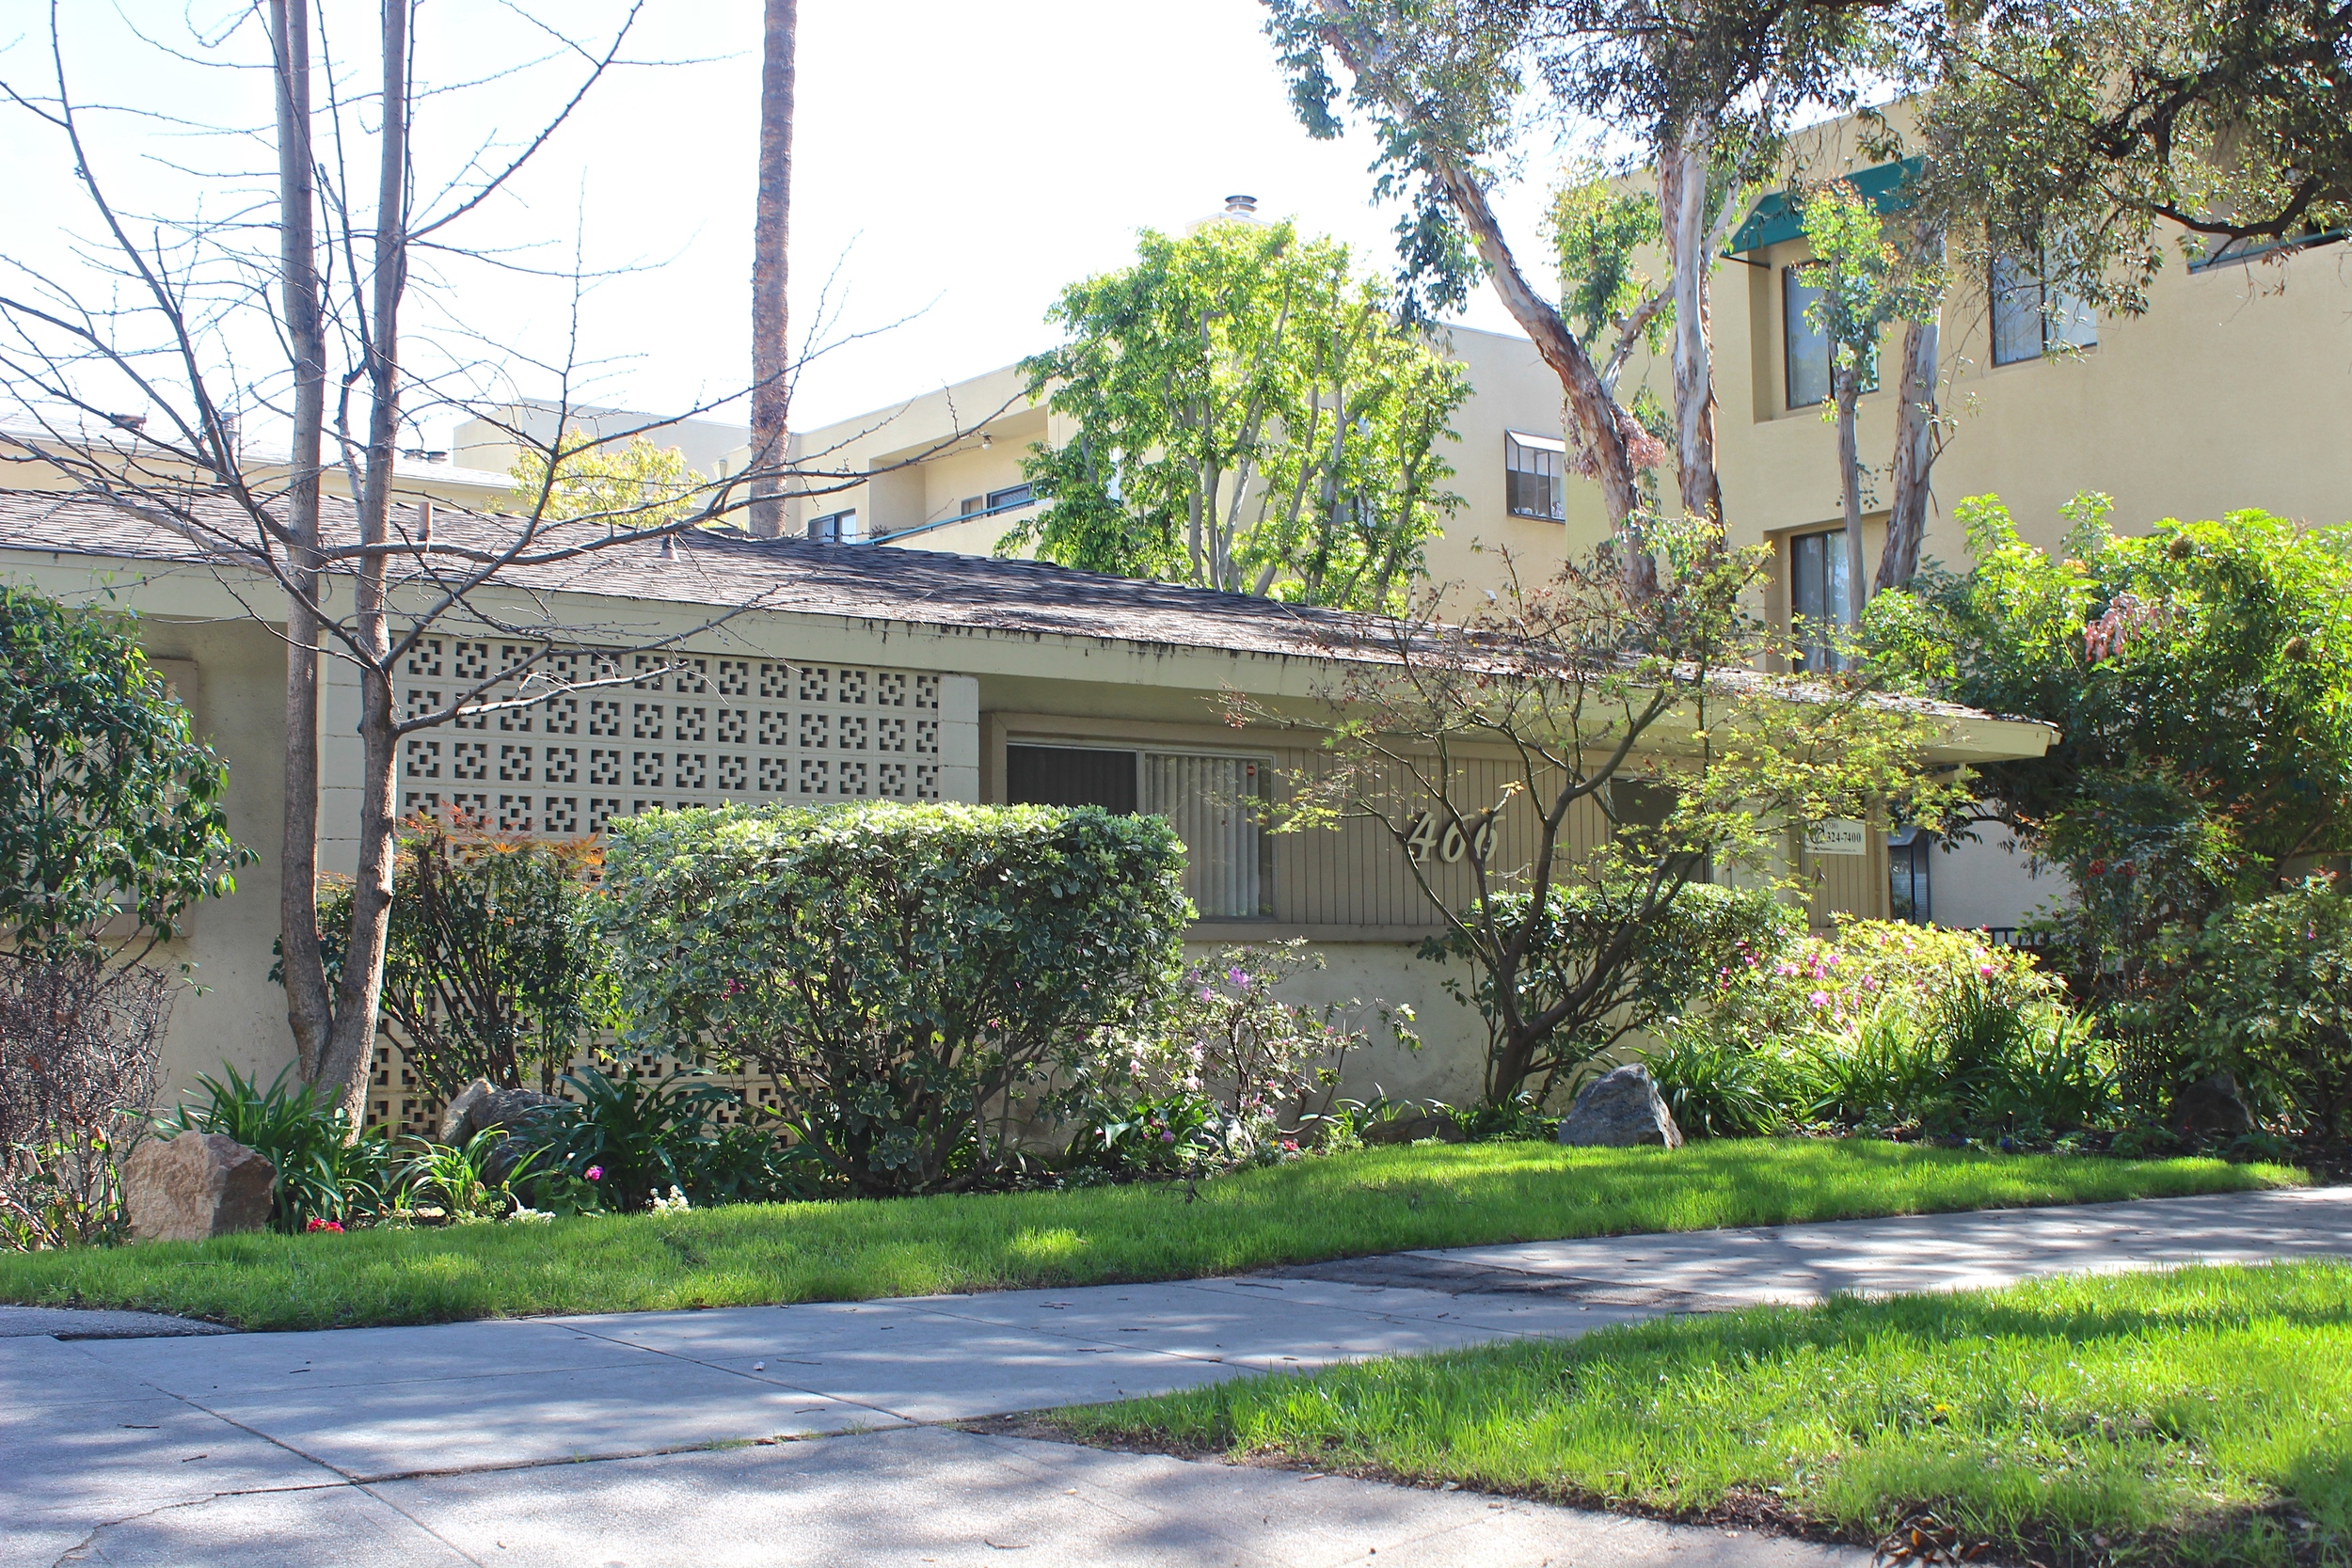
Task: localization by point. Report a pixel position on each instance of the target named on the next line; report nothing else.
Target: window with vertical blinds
(1216, 806)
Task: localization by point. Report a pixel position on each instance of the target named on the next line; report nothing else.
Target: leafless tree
(316, 265)
(79, 1037)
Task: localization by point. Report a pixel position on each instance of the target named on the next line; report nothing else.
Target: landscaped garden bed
(2193, 1416)
(1344, 1205)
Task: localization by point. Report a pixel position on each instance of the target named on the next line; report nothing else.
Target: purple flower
(596, 1173)
(1238, 978)
(1168, 1137)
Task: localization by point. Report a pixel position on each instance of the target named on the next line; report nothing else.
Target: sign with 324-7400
(1837, 838)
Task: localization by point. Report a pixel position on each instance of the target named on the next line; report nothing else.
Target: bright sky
(956, 164)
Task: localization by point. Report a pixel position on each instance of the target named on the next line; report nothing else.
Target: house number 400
(1448, 843)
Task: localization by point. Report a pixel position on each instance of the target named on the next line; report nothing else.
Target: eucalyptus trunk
(1914, 447)
(772, 349)
(1849, 487)
(1682, 208)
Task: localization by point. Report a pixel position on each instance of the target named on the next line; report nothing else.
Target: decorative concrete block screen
(693, 729)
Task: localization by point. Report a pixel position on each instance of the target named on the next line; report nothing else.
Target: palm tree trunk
(771, 353)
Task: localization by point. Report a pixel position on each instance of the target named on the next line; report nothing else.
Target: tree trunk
(1682, 208)
(351, 1049)
(1850, 485)
(772, 349)
(1915, 457)
(309, 1007)
(1601, 425)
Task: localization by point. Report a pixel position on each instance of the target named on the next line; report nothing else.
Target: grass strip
(2203, 1416)
(1378, 1200)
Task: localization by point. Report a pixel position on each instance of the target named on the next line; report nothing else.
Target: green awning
(1776, 218)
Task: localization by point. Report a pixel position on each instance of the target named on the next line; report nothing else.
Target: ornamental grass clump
(903, 974)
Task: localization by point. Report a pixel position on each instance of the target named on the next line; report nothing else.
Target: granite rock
(1621, 1109)
(196, 1186)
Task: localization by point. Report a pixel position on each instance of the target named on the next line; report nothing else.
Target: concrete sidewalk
(210, 1449)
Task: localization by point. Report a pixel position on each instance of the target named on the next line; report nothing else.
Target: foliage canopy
(1251, 417)
(110, 809)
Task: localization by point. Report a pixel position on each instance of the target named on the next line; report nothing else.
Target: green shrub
(900, 972)
(489, 970)
(1892, 1027)
(629, 1139)
(1720, 1088)
(2269, 990)
(1703, 931)
(325, 1170)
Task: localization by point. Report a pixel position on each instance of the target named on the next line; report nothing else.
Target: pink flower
(318, 1225)
(1986, 972)
(1820, 999)
(596, 1173)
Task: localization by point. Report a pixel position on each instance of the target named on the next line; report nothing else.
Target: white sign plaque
(1837, 838)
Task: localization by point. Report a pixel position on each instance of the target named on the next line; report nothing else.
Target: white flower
(530, 1216)
(675, 1204)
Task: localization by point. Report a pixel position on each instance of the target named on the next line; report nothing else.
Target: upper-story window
(835, 528)
(995, 502)
(1534, 476)
(1807, 345)
(1816, 598)
(2030, 317)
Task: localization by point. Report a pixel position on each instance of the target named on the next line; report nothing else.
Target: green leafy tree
(2199, 680)
(2271, 986)
(1582, 755)
(111, 823)
(631, 485)
(112, 828)
(1866, 285)
(1250, 416)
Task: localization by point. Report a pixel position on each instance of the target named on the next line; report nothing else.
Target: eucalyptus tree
(1703, 90)
(1250, 416)
(1865, 284)
(772, 229)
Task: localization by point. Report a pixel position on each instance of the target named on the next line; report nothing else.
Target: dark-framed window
(1215, 801)
(1806, 359)
(2031, 317)
(1534, 476)
(1006, 501)
(835, 528)
(1806, 356)
(1817, 598)
(1908, 853)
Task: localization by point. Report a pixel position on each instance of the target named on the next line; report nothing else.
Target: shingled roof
(709, 567)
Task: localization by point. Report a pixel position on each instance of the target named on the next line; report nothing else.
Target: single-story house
(790, 670)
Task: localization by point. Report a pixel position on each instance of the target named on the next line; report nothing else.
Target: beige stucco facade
(885, 704)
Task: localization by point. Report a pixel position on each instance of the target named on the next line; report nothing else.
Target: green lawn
(2197, 1417)
(1379, 1200)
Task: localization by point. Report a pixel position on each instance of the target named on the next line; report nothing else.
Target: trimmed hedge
(897, 969)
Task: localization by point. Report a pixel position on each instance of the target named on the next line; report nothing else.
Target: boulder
(1619, 1110)
(481, 1105)
(195, 1186)
(2211, 1108)
(1411, 1128)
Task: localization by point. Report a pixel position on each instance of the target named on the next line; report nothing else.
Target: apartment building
(946, 466)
